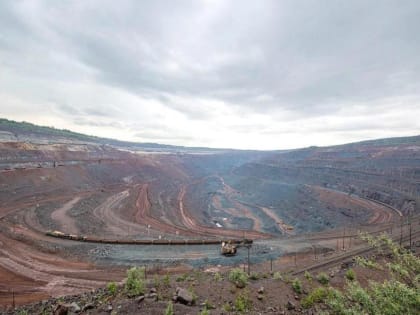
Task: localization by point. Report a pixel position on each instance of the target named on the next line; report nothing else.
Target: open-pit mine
(120, 204)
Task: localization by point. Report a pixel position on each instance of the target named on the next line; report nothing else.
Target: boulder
(184, 296)
(61, 309)
(290, 305)
(74, 307)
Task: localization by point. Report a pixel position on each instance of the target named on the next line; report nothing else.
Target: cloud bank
(241, 74)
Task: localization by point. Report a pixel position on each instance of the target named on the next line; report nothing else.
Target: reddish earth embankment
(103, 192)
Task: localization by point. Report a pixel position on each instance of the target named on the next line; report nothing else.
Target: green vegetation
(26, 127)
(227, 307)
(350, 275)
(208, 305)
(243, 302)
(400, 295)
(388, 298)
(316, 296)
(169, 309)
(323, 278)
(361, 261)
(308, 276)
(297, 286)
(254, 276)
(181, 278)
(217, 277)
(194, 296)
(166, 280)
(134, 284)
(205, 311)
(112, 288)
(277, 276)
(238, 278)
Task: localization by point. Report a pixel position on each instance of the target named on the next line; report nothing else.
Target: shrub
(166, 280)
(277, 276)
(238, 278)
(208, 305)
(112, 288)
(217, 277)
(205, 312)
(227, 307)
(169, 309)
(181, 278)
(387, 298)
(308, 276)
(254, 276)
(297, 286)
(361, 261)
(243, 303)
(323, 278)
(316, 296)
(350, 275)
(134, 284)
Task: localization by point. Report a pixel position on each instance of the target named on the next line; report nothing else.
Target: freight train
(89, 239)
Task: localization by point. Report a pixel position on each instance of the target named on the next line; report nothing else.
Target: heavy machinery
(228, 249)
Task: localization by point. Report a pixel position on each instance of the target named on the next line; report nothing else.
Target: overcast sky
(241, 74)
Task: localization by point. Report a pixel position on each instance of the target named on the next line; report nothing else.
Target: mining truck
(228, 249)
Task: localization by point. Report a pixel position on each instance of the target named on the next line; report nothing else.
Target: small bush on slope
(238, 278)
(134, 284)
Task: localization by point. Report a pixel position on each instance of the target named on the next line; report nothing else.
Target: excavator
(229, 248)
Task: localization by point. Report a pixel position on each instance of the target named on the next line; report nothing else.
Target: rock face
(184, 296)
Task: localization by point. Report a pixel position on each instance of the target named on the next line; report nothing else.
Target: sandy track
(107, 213)
(67, 223)
(380, 213)
(44, 274)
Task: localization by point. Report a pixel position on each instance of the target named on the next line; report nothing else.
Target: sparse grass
(217, 277)
(350, 275)
(254, 276)
(227, 307)
(238, 278)
(243, 302)
(388, 298)
(323, 278)
(205, 311)
(181, 278)
(169, 309)
(277, 276)
(297, 286)
(308, 276)
(166, 280)
(112, 288)
(361, 261)
(208, 305)
(316, 296)
(156, 281)
(194, 296)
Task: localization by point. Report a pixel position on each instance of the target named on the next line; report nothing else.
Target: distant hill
(23, 131)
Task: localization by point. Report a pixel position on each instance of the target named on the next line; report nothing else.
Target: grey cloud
(300, 54)
(276, 58)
